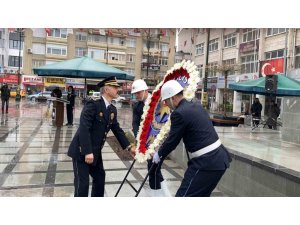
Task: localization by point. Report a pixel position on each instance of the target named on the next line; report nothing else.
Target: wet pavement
(33, 160)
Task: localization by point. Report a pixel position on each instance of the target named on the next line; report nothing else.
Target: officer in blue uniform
(96, 120)
(140, 90)
(209, 159)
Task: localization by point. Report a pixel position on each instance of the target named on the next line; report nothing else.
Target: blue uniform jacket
(95, 123)
(190, 122)
(137, 113)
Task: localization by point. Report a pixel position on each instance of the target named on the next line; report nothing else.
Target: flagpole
(285, 51)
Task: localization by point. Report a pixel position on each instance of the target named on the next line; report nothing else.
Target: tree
(225, 69)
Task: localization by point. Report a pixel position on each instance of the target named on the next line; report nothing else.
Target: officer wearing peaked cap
(209, 159)
(96, 120)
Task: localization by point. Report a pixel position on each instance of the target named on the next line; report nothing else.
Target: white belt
(205, 150)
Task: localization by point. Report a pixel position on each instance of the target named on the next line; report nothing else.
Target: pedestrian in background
(256, 109)
(5, 95)
(70, 106)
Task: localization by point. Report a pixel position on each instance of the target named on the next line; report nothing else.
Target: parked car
(95, 95)
(40, 97)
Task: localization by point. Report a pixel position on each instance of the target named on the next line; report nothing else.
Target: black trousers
(199, 183)
(5, 101)
(70, 114)
(155, 176)
(82, 171)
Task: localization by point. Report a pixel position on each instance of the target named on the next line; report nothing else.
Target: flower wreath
(187, 75)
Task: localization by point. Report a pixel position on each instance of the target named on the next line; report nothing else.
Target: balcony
(152, 51)
(151, 66)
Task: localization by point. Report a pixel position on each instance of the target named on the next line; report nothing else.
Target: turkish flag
(270, 67)
(48, 31)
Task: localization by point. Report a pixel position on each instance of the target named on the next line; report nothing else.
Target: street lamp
(18, 96)
(204, 96)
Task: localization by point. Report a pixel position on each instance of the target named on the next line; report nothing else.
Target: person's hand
(156, 158)
(132, 151)
(89, 158)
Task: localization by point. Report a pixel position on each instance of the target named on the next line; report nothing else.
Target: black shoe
(67, 124)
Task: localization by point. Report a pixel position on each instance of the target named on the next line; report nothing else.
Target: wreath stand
(144, 181)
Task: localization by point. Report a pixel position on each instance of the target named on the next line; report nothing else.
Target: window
(200, 49)
(81, 36)
(130, 58)
(229, 62)
(250, 35)
(297, 57)
(200, 69)
(38, 63)
(213, 45)
(249, 64)
(274, 54)
(0, 34)
(79, 52)
(97, 53)
(58, 33)
(97, 38)
(163, 61)
(230, 40)
(116, 41)
(38, 48)
(14, 44)
(212, 69)
(131, 43)
(164, 50)
(56, 49)
(116, 57)
(274, 31)
(39, 32)
(14, 61)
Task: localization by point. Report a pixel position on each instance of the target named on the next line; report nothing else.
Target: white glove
(156, 158)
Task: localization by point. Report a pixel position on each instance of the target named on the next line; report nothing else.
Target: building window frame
(230, 40)
(249, 63)
(274, 54)
(58, 33)
(14, 44)
(56, 49)
(163, 61)
(250, 34)
(275, 31)
(13, 61)
(81, 36)
(80, 52)
(200, 49)
(213, 45)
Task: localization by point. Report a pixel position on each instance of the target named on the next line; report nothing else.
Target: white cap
(170, 89)
(138, 85)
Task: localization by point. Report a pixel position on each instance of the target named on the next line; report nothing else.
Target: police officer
(209, 159)
(140, 90)
(97, 118)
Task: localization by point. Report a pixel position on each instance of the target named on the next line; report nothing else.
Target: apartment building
(11, 56)
(144, 53)
(246, 49)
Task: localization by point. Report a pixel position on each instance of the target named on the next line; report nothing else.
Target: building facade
(250, 49)
(143, 53)
(11, 56)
